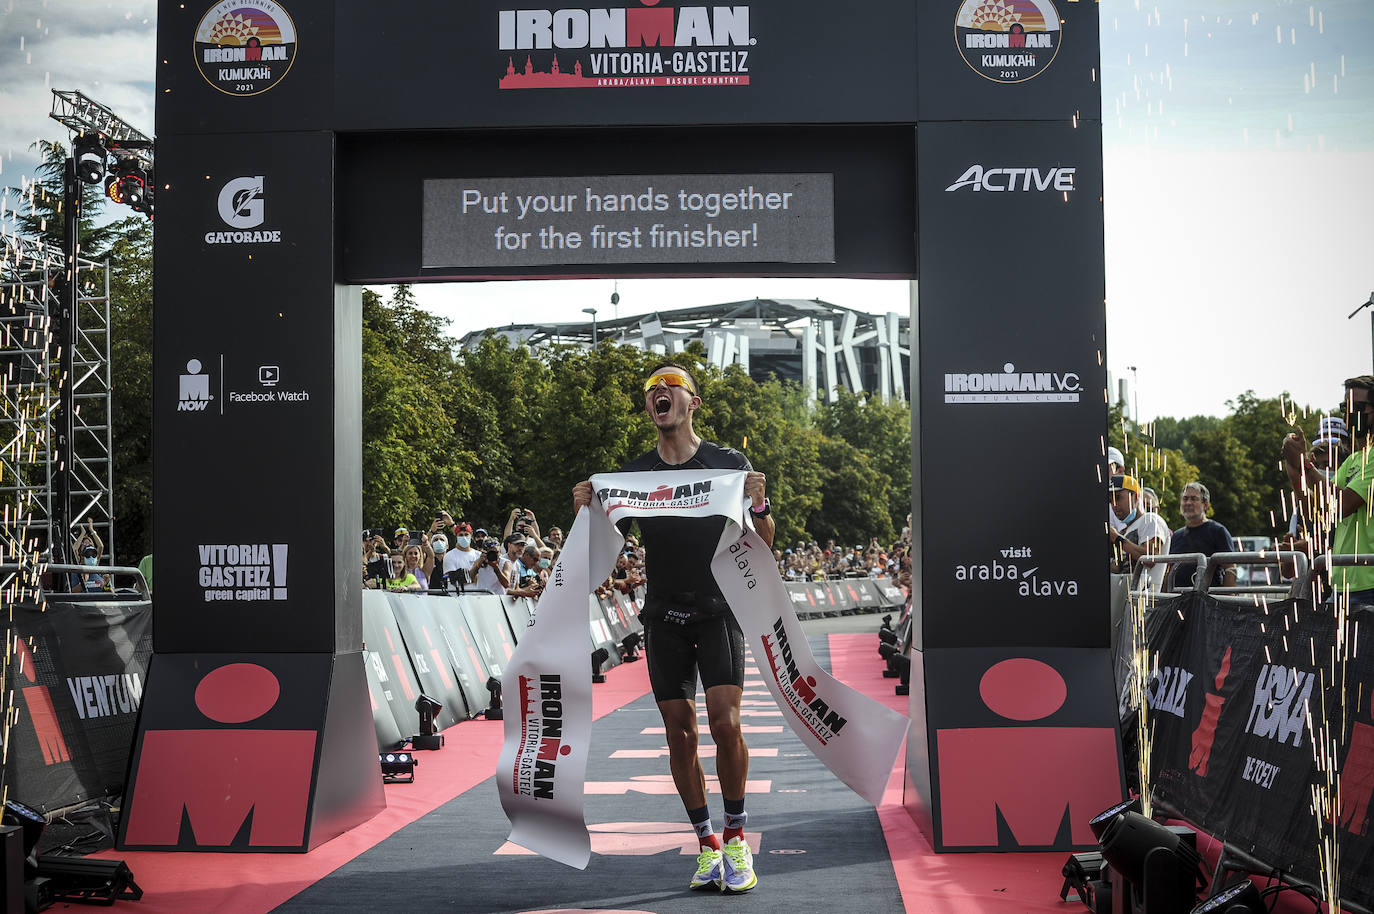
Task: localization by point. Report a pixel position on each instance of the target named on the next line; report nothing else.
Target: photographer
(529, 584)
(523, 522)
(375, 562)
(488, 572)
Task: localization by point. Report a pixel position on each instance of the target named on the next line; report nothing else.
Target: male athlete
(688, 628)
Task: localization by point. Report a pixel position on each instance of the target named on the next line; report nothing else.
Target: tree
(131, 385)
(39, 206)
(854, 496)
(883, 433)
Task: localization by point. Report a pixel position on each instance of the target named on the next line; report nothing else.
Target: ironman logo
(1007, 41)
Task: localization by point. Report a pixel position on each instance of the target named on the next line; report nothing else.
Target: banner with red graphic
(76, 675)
(548, 722)
(1242, 701)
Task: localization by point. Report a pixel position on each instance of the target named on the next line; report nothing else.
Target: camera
(492, 551)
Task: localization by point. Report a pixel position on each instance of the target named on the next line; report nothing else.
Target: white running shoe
(739, 867)
(709, 870)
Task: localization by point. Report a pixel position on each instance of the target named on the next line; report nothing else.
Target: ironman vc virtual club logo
(1007, 41)
(245, 47)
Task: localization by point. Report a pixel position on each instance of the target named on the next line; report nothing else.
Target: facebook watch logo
(241, 202)
(193, 389)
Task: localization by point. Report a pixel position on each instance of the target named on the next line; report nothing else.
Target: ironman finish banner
(543, 762)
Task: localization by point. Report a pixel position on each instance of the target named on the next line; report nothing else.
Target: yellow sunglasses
(672, 379)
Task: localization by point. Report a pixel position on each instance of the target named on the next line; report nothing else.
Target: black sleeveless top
(678, 550)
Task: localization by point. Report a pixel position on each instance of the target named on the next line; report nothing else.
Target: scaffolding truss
(32, 275)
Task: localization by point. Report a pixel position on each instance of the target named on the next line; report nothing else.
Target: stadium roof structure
(823, 346)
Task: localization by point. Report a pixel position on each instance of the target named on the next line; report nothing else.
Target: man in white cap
(1116, 465)
(1142, 533)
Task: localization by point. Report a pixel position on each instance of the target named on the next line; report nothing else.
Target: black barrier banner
(600, 633)
(472, 670)
(1237, 695)
(429, 656)
(389, 734)
(77, 675)
(616, 618)
(486, 622)
(386, 654)
(519, 612)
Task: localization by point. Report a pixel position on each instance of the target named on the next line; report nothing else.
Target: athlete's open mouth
(662, 404)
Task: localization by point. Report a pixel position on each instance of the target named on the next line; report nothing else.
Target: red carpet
(948, 883)
(254, 883)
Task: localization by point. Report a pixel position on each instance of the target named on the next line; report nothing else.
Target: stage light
(131, 185)
(1241, 898)
(89, 154)
(494, 710)
(903, 686)
(886, 636)
(1084, 874)
(891, 653)
(629, 647)
(599, 656)
(1160, 864)
(1098, 823)
(427, 738)
(398, 767)
(32, 822)
(87, 880)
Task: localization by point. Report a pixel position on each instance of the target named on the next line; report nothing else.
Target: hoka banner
(1241, 700)
(549, 698)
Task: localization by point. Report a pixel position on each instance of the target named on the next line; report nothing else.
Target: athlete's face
(669, 404)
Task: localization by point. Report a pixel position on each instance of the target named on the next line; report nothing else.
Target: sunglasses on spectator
(671, 378)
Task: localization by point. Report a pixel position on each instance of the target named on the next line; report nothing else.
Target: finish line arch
(306, 148)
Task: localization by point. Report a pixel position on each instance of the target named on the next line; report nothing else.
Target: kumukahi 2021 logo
(245, 47)
(1007, 41)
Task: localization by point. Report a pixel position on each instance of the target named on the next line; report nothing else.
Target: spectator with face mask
(1142, 533)
(545, 564)
(88, 548)
(490, 572)
(459, 560)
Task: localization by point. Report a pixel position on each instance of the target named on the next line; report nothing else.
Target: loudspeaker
(12, 869)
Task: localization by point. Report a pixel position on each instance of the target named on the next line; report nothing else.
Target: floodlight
(1241, 898)
(32, 822)
(131, 184)
(629, 647)
(1158, 863)
(599, 656)
(398, 767)
(494, 710)
(87, 880)
(1084, 874)
(89, 154)
(427, 738)
(1098, 823)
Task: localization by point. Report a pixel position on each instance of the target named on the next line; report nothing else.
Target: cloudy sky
(1239, 150)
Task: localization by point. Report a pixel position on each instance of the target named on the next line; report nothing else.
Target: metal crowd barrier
(138, 589)
(1298, 586)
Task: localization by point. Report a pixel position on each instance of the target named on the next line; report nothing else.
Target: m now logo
(1022, 178)
(652, 26)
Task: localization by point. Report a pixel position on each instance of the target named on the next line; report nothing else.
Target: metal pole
(64, 332)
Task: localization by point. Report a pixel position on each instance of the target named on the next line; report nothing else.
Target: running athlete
(689, 629)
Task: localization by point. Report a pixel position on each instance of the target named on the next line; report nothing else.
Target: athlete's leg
(680, 721)
(732, 753)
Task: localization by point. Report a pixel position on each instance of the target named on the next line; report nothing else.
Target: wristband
(763, 511)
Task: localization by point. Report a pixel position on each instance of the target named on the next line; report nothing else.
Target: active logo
(193, 389)
(1007, 41)
(241, 206)
(243, 572)
(1013, 178)
(642, 45)
(1012, 386)
(245, 47)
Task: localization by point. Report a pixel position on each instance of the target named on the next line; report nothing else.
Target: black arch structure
(351, 142)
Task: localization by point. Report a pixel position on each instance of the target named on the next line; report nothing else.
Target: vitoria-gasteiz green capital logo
(245, 47)
(1007, 41)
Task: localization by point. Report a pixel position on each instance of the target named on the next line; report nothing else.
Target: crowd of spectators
(456, 557)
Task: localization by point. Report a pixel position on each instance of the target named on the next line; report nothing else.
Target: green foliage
(39, 207)
(885, 436)
(131, 385)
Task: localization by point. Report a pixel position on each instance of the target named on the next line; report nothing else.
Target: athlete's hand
(753, 487)
(582, 495)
